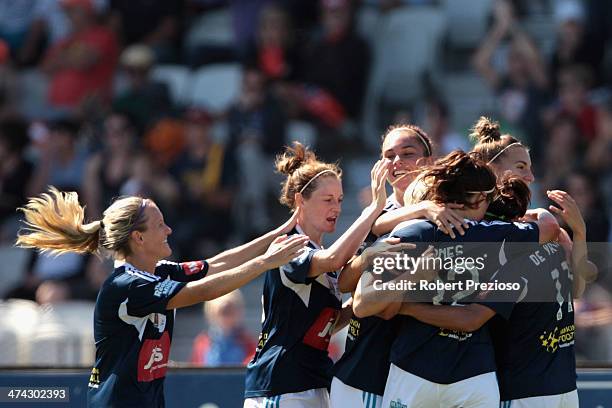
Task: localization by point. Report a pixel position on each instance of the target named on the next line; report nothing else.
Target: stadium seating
(406, 49)
(177, 78)
(215, 87)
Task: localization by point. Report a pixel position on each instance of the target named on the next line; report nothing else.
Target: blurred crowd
(106, 126)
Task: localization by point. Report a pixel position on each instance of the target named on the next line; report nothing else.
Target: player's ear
(137, 237)
(299, 199)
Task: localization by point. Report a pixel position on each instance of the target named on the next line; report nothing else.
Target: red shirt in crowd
(70, 85)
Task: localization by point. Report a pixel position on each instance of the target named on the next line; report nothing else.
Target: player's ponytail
(490, 143)
(512, 201)
(303, 171)
(55, 223)
(293, 158)
(456, 177)
(485, 130)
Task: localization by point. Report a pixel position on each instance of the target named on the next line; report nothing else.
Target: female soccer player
(134, 312)
(534, 346)
(301, 300)
(507, 155)
(361, 373)
(523, 356)
(440, 367)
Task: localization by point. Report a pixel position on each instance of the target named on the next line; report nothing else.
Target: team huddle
(480, 346)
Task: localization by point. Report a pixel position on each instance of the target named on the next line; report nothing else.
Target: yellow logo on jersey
(263, 337)
(353, 329)
(558, 338)
(94, 379)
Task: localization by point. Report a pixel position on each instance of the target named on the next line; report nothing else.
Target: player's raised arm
(281, 251)
(337, 255)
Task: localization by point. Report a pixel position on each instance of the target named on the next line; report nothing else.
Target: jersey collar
(301, 231)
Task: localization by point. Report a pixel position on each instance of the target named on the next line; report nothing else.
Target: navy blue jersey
(298, 315)
(535, 347)
(446, 356)
(133, 332)
(365, 362)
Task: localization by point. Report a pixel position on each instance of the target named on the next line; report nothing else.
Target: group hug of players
(460, 349)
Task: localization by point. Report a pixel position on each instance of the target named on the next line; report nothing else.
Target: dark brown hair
(512, 200)
(489, 140)
(300, 165)
(455, 177)
(418, 133)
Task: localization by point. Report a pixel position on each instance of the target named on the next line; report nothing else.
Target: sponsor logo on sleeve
(163, 288)
(191, 268)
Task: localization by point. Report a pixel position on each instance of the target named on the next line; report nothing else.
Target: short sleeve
(524, 232)
(183, 271)
(146, 297)
(297, 269)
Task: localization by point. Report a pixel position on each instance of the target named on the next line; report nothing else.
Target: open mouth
(399, 173)
(332, 219)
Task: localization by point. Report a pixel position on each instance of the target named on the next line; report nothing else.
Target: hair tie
(503, 150)
(138, 214)
(422, 139)
(315, 176)
(483, 192)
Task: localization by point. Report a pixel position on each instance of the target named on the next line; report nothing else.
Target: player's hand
(290, 224)
(386, 247)
(569, 211)
(378, 177)
(445, 217)
(284, 248)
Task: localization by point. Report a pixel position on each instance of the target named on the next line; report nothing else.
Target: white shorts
(343, 395)
(315, 398)
(567, 400)
(405, 390)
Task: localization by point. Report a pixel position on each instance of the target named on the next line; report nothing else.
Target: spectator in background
(584, 189)
(145, 99)
(15, 174)
(574, 84)
(61, 159)
(149, 179)
(257, 126)
(155, 23)
(107, 170)
(81, 66)
(521, 90)
(15, 21)
(8, 80)
(273, 50)
(339, 59)
(226, 342)
(600, 149)
(206, 175)
(437, 125)
(575, 44)
(562, 153)
(594, 324)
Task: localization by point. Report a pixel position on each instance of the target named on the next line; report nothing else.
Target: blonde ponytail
(54, 223)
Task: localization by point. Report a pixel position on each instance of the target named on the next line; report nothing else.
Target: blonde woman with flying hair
(134, 312)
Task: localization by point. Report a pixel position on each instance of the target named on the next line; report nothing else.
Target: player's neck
(315, 235)
(399, 196)
(142, 263)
